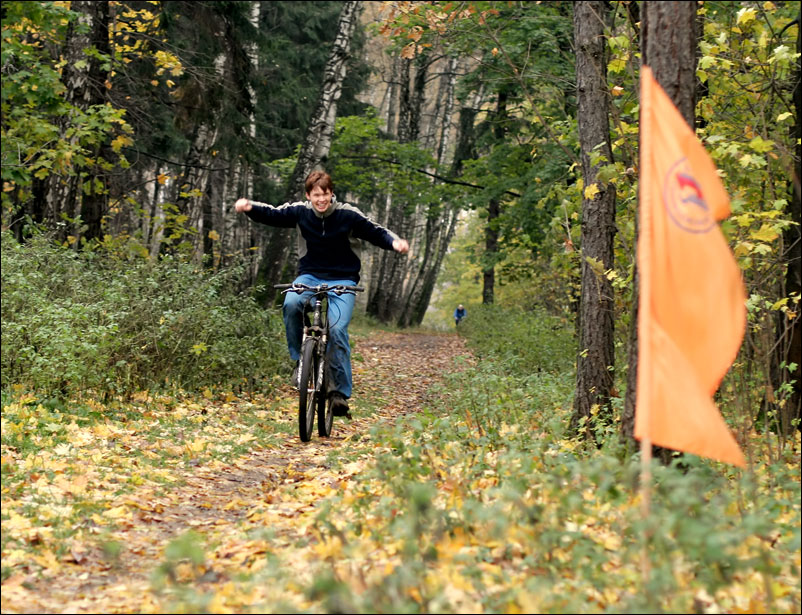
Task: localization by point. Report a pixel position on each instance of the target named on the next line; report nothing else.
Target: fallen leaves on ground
(427, 502)
(234, 472)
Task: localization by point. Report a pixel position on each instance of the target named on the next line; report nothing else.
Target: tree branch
(445, 180)
(178, 164)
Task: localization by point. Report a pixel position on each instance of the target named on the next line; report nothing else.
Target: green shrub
(523, 341)
(73, 322)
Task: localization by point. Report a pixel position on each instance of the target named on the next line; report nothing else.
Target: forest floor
(201, 521)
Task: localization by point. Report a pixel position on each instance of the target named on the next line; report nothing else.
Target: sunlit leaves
(745, 15)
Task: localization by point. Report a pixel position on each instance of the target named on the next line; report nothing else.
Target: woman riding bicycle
(328, 253)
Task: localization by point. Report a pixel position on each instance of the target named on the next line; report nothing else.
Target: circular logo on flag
(684, 200)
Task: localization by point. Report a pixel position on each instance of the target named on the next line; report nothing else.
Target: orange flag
(692, 310)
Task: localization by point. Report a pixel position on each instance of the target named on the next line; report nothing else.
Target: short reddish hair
(319, 179)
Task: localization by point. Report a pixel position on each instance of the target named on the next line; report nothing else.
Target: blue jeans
(338, 351)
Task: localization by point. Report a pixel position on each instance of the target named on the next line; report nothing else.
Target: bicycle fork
(315, 330)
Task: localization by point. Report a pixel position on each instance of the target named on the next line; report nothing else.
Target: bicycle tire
(325, 415)
(306, 390)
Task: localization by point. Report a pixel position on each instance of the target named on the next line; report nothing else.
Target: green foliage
(43, 133)
(546, 279)
(525, 341)
(368, 164)
(113, 324)
(490, 508)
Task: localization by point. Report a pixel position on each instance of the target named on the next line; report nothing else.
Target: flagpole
(645, 505)
(644, 356)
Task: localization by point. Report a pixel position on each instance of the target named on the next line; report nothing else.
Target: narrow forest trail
(278, 489)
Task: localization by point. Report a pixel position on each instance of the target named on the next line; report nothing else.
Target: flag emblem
(684, 201)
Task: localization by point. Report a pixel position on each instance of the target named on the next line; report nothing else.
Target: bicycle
(312, 377)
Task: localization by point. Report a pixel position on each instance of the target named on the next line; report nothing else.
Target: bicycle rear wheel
(325, 416)
(306, 390)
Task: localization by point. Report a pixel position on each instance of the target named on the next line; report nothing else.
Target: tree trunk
(441, 220)
(316, 146)
(84, 83)
(596, 356)
(445, 124)
(393, 93)
(668, 42)
(94, 205)
(192, 186)
(386, 300)
(788, 340)
(493, 214)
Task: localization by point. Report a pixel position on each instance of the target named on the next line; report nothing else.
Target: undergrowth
(110, 324)
(481, 503)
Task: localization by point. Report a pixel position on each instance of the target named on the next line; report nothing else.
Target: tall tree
(668, 43)
(385, 298)
(85, 77)
(595, 359)
(788, 343)
(493, 212)
(441, 217)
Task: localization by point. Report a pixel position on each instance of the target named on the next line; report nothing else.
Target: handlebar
(322, 288)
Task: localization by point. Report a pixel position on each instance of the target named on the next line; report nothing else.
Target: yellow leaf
(16, 522)
(746, 15)
(235, 503)
(118, 512)
(12, 558)
(329, 548)
(765, 233)
(47, 560)
(196, 446)
(119, 142)
(761, 145)
(591, 191)
(63, 449)
(102, 430)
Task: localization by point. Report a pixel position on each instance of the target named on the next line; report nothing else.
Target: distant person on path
(328, 251)
(459, 314)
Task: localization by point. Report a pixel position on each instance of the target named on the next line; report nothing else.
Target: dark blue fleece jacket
(328, 243)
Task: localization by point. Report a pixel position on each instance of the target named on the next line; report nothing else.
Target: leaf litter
(122, 517)
(214, 505)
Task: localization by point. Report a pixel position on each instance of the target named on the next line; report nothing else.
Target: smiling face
(320, 199)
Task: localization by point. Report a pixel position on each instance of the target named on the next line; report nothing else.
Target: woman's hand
(401, 246)
(243, 205)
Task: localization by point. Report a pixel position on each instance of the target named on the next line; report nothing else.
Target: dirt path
(277, 488)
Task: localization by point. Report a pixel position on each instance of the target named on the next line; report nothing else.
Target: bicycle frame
(312, 385)
(318, 329)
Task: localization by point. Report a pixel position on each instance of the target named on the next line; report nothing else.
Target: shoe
(294, 380)
(339, 405)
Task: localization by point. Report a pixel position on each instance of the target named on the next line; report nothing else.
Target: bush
(523, 341)
(73, 322)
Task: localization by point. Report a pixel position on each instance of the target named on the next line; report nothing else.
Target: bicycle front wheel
(325, 418)
(306, 390)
